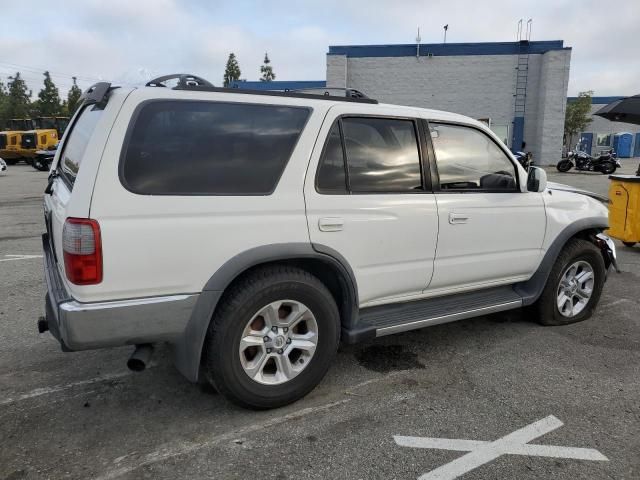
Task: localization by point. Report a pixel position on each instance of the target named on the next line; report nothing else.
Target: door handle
(455, 218)
(330, 224)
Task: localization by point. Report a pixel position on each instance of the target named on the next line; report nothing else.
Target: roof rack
(274, 93)
(185, 80)
(96, 94)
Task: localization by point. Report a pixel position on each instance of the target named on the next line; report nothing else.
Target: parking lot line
(183, 448)
(58, 388)
(19, 257)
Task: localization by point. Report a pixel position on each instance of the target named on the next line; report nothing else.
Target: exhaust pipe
(140, 357)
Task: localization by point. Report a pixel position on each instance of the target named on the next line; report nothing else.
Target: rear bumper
(84, 326)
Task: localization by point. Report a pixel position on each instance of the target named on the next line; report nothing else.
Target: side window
(332, 177)
(76, 144)
(382, 155)
(467, 159)
(210, 148)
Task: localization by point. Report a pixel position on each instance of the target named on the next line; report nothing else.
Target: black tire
(608, 168)
(244, 299)
(563, 166)
(11, 161)
(545, 311)
(629, 244)
(40, 165)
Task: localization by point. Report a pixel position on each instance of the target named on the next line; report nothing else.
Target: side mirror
(536, 180)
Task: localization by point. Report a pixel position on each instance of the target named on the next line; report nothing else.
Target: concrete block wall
(552, 92)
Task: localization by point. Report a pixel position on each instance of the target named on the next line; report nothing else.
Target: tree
(48, 98)
(232, 71)
(18, 100)
(577, 116)
(4, 97)
(73, 98)
(267, 70)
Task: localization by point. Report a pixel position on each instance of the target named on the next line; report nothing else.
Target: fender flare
(188, 349)
(531, 289)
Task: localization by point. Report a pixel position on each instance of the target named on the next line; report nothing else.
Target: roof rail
(185, 80)
(274, 93)
(330, 92)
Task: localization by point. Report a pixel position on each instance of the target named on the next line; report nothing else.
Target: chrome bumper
(84, 326)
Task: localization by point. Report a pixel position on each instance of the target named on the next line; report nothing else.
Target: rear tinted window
(210, 148)
(76, 143)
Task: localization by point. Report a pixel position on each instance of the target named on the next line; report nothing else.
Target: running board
(402, 317)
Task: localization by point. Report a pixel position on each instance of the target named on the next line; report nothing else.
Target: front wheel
(273, 337)
(574, 285)
(629, 244)
(563, 166)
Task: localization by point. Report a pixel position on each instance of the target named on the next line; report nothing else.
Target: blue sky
(129, 41)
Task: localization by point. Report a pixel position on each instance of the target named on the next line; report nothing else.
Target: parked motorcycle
(525, 159)
(606, 162)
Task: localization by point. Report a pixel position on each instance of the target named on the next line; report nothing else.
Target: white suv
(253, 231)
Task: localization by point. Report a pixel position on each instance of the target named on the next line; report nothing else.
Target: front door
(490, 230)
(368, 200)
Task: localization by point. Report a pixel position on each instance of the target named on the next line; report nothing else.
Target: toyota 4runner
(254, 231)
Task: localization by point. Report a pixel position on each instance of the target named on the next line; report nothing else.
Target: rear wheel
(563, 166)
(608, 168)
(629, 244)
(574, 285)
(273, 338)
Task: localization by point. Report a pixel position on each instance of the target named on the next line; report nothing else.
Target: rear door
(368, 198)
(491, 229)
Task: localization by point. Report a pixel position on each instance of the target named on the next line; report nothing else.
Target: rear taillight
(82, 249)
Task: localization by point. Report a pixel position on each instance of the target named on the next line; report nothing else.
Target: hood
(566, 188)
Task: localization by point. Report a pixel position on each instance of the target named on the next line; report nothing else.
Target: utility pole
(418, 39)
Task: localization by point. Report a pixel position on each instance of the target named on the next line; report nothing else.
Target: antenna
(529, 28)
(418, 40)
(519, 34)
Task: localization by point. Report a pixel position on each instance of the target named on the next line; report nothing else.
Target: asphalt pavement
(473, 383)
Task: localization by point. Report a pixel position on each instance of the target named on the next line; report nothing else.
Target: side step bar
(401, 317)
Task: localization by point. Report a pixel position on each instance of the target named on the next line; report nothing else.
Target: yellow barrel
(624, 208)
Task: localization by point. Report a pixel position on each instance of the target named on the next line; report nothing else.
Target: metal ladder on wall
(522, 75)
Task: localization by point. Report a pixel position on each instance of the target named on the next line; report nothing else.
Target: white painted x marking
(480, 452)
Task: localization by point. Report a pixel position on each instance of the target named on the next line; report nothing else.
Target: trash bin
(624, 208)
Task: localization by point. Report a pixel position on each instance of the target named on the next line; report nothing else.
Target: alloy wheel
(278, 342)
(575, 288)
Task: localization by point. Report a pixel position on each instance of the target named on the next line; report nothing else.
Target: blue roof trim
(445, 49)
(597, 100)
(278, 84)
